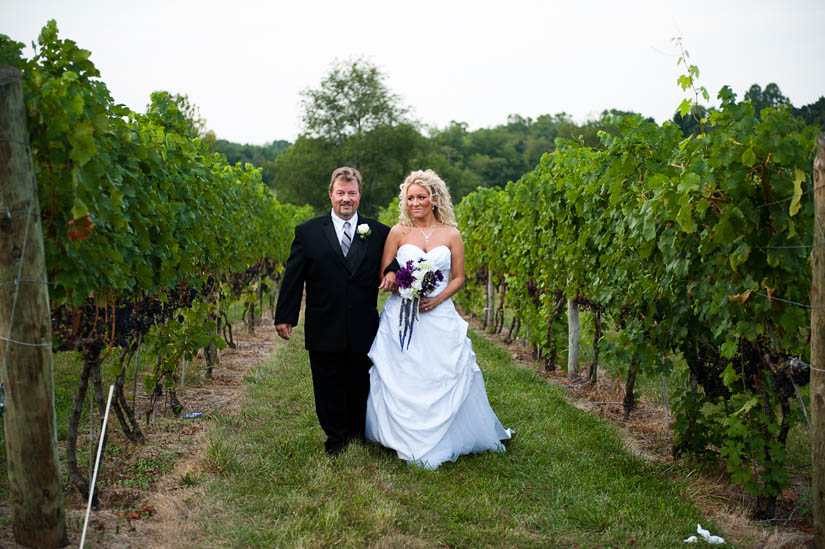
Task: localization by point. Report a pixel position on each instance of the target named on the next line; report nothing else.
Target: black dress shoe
(334, 449)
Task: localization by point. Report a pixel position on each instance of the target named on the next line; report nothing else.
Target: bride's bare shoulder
(400, 230)
(452, 233)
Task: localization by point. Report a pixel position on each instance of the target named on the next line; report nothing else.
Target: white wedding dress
(428, 402)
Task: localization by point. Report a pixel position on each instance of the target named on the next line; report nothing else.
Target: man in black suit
(338, 257)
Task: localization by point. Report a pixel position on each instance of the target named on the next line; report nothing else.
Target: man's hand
(388, 283)
(284, 330)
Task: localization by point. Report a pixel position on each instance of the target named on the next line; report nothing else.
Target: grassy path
(565, 480)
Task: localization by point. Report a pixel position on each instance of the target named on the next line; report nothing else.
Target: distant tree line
(770, 97)
(353, 118)
(261, 156)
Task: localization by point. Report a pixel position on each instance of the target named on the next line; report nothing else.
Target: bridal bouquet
(415, 280)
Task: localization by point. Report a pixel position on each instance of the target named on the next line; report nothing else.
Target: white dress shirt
(338, 223)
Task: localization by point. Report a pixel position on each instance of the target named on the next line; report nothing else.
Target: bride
(427, 400)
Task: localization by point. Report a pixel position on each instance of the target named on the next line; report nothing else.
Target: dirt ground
(157, 516)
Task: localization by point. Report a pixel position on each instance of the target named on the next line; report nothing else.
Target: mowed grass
(564, 481)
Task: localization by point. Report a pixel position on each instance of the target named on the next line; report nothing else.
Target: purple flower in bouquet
(404, 275)
(415, 280)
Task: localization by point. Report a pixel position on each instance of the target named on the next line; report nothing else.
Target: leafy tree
(771, 96)
(257, 155)
(387, 153)
(387, 156)
(301, 174)
(490, 157)
(691, 123)
(351, 119)
(812, 114)
(351, 101)
(260, 156)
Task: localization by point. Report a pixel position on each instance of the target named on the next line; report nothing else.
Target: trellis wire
(9, 212)
(47, 344)
(788, 199)
(15, 281)
(789, 302)
(806, 246)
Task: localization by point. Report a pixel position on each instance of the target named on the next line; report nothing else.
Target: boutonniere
(363, 231)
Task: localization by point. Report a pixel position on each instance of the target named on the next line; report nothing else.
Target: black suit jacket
(342, 293)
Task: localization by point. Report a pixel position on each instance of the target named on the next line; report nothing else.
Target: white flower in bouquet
(416, 284)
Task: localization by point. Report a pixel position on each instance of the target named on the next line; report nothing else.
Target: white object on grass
(706, 536)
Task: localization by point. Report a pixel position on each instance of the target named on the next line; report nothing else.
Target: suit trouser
(341, 385)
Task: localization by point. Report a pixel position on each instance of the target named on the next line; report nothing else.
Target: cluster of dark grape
(748, 361)
(585, 304)
(706, 364)
(209, 286)
(533, 292)
(240, 281)
(269, 267)
(76, 328)
(127, 324)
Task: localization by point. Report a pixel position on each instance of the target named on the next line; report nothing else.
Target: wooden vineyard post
(818, 346)
(38, 515)
(572, 339)
(490, 311)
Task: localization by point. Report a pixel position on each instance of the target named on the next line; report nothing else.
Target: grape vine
(140, 223)
(683, 243)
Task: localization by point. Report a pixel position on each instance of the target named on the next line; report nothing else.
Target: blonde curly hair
(439, 196)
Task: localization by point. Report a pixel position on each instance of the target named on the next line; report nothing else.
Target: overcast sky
(244, 63)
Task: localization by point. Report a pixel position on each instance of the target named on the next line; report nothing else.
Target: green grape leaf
(749, 157)
(83, 143)
(728, 350)
(79, 209)
(799, 178)
(739, 255)
(750, 403)
(684, 106)
(685, 215)
(690, 182)
(76, 104)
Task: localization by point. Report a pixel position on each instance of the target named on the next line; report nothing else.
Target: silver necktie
(346, 241)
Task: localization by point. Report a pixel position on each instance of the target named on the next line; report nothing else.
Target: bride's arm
(456, 273)
(390, 249)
